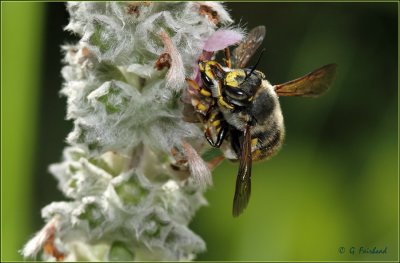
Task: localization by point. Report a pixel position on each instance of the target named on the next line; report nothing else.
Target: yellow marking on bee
(209, 72)
(212, 63)
(212, 116)
(231, 78)
(250, 99)
(254, 142)
(218, 129)
(201, 66)
(201, 107)
(223, 103)
(206, 67)
(216, 123)
(205, 93)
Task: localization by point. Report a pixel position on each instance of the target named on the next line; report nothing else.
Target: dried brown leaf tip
(50, 248)
(85, 52)
(210, 13)
(198, 168)
(45, 239)
(163, 61)
(133, 8)
(181, 163)
(171, 58)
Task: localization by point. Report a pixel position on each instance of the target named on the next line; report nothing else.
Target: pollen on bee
(232, 76)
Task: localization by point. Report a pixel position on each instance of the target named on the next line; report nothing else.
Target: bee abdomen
(265, 144)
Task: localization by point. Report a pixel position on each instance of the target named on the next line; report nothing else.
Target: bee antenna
(255, 66)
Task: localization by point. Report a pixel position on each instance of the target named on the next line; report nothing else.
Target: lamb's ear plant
(134, 173)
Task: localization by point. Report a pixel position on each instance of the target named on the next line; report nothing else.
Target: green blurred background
(335, 182)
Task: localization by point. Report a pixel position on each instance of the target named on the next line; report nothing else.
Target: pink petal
(221, 39)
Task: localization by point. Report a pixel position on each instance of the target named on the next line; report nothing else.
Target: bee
(238, 105)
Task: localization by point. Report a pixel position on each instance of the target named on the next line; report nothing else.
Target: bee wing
(249, 46)
(243, 180)
(310, 85)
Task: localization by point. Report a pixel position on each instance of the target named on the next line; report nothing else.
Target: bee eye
(236, 93)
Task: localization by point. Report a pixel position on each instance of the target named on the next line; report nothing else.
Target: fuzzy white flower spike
(133, 174)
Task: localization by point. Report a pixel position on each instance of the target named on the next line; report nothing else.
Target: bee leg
(201, 98)
(216, 129)
(201, 106)
(222, 132)
(227, 60)
(196, 89)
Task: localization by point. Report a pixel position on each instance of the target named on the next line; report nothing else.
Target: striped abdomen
(265, 144)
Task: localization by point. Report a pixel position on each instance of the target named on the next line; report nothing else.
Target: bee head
(239, 90)
(241, 85)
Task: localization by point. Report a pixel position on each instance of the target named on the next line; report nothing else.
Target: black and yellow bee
(240, 105)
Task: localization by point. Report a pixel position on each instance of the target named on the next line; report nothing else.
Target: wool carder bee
(239, 105)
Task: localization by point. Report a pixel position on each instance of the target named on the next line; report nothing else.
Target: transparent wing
(311, 85)
(249, 46)
(243, 180)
